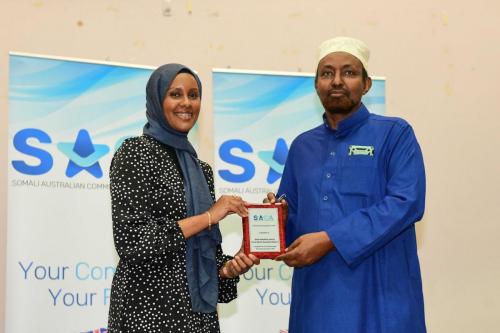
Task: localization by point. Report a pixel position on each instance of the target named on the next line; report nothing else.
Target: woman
(172, 271)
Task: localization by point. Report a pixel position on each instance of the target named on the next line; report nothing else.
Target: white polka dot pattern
(149, 291)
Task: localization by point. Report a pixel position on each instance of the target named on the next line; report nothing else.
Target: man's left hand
(307, 249)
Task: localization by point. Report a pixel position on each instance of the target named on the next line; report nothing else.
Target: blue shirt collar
(350, 123)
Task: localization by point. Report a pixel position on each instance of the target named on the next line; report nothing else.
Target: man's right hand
(271, 199)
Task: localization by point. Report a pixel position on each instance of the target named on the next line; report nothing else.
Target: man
(355, 186)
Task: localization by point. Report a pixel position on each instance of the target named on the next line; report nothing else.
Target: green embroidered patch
(361, 150)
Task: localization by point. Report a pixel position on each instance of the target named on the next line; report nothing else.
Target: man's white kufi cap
(349, 45)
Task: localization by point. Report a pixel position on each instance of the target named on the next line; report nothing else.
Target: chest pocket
(357, 175)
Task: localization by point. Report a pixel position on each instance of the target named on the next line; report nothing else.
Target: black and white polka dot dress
(150, 290)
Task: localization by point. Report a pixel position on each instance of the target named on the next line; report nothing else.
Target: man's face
(340, 84)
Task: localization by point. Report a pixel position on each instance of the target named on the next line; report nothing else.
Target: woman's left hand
(240, 264)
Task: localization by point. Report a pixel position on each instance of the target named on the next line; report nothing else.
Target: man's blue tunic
(364, 184)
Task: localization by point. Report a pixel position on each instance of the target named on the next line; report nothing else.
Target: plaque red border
(281, 226)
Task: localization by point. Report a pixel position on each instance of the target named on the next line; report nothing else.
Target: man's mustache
(338, 91)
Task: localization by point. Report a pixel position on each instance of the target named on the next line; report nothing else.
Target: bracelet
(209, 220)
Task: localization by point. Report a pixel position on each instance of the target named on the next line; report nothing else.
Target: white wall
(440, 58)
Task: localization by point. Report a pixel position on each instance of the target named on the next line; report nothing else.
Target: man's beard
(339, 105)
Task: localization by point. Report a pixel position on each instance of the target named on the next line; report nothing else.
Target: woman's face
(182, 103)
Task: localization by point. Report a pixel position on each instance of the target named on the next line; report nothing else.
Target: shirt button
(332, 153)
(328, 175)
(325, 198)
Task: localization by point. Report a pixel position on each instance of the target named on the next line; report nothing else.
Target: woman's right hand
(226, 205)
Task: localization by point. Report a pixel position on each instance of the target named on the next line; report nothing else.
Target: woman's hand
(240, 264)
(226, 205)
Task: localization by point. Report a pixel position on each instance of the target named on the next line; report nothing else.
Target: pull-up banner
(66, 118)
(257, 115)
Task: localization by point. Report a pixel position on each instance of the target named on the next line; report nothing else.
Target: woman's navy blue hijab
(201, 248)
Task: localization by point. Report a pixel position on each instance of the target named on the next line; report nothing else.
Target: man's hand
(271, 198)
(307, 249)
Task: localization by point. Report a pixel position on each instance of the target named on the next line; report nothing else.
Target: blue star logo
(83, 155)
(275, 159)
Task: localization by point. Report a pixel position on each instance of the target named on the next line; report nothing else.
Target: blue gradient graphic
(63, 96)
